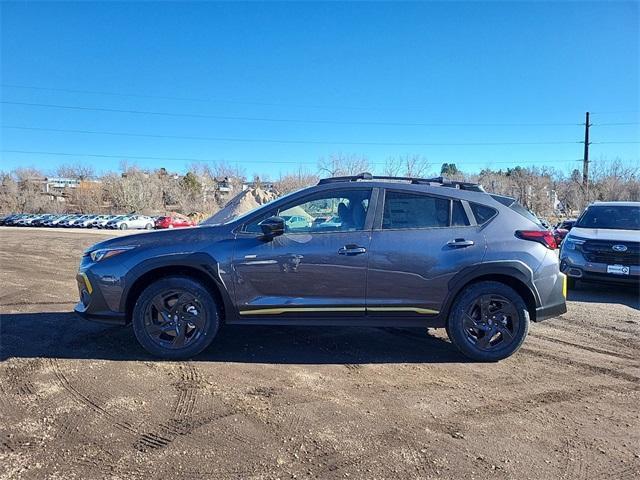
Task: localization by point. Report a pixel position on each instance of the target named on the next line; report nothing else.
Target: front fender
(202, 262)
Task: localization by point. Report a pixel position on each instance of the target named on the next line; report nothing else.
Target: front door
(418, 244)
(317, 268)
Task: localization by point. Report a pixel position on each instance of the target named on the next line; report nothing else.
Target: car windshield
(617, 217)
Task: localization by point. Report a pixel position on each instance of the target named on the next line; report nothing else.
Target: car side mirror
(272, 226)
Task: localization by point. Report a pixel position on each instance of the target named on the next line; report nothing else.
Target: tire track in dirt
(19, 377)
(183, 419)
(584, 366)
(527, 403)
(86, 400)
(580, 346)
(578, 331)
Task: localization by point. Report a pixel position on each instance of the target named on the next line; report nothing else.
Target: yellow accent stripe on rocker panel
(422, 311)
(278, 311)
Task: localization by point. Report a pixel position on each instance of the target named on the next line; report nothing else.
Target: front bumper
(92, 304)
(574, 265)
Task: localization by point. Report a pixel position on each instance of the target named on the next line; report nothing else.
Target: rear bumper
(553, 296)
(551, 311)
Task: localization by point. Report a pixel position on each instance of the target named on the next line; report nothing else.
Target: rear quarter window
(482, 213)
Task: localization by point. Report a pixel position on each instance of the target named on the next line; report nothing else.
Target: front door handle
(351, 250)
(460, 243)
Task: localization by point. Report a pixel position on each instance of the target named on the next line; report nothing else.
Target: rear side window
(408, 210)
(458, 215)
(482, 213)
(513, 204)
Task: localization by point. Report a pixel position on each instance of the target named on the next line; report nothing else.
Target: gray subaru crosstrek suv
(372, 251)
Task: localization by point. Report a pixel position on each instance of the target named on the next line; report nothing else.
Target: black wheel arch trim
(508, 268)
(202, 262)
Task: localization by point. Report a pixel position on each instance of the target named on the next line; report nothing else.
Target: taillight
(545, 237)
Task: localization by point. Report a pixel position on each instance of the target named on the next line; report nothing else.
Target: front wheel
(175, 318)
(123, 226)
(148, 226)
(488, 322)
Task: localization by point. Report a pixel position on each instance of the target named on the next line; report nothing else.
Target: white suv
(604, 244)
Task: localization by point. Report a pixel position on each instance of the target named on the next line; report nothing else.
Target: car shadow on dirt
(606, 293)
(65, 335)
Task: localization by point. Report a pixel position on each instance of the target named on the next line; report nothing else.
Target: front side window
(409, 210)
(340, 211)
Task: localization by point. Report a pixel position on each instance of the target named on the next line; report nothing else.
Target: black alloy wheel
(488, 322)
(175, 317)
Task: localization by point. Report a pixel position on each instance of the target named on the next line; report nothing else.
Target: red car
(174, 221)
(561, 229)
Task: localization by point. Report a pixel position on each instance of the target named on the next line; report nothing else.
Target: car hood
(605, 234)
(164, 237)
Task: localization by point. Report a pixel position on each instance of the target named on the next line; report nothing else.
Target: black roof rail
(436, 181)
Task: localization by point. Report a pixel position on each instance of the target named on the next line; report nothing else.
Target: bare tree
(338, 164)
(79, 171)
(134, 191)
(295, 181)
(406, 166)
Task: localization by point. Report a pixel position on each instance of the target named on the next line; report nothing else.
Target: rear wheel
(488, 322)
(175, 318)
(148, 226)
(123, 226)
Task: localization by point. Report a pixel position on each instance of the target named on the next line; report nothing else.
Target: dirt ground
(83, 400)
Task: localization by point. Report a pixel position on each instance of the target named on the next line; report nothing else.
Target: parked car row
(113, 222)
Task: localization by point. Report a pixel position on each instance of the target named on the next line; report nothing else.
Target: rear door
(419, 242)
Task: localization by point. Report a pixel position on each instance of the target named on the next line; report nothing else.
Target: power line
(194, 99)
(614, 112)
(612, 124)
(280, 120)
(266, 162)
(285, 141)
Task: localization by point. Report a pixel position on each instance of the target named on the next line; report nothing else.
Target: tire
(123, 226)
(496, 335)
(148, 226)
(170, 226)
(198, 331)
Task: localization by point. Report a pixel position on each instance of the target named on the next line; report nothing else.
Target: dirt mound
(240, 204)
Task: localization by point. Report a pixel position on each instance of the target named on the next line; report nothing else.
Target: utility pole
(585, 159)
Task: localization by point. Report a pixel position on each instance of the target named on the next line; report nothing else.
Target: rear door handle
(351, 250)
(460, 243)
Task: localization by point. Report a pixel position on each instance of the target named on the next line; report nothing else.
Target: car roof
(434, 189)
(615, 204)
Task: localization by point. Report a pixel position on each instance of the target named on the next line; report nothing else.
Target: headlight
(103, 253)
(571, 243)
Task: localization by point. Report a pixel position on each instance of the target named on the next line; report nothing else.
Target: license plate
(618, 269)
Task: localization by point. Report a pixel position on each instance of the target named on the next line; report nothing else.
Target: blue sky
(373, 79)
